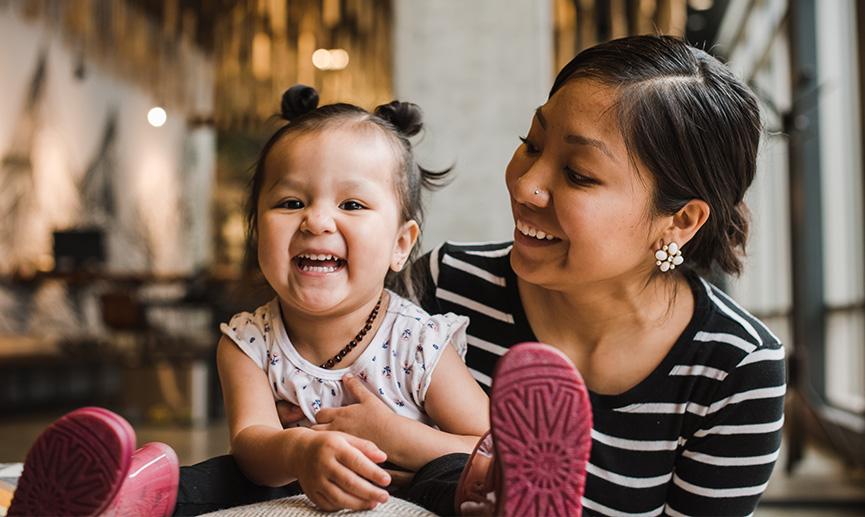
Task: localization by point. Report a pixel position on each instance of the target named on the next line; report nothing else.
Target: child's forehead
(348, 149)
(345, 136)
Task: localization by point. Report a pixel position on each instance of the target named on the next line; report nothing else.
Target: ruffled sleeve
(249, 333)
(433, 335)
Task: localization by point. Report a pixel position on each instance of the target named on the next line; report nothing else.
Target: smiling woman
(638, 162)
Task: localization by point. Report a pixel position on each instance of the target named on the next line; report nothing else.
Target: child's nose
(318, 221)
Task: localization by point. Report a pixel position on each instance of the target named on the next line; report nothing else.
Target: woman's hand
(368, 418)
(341, 472)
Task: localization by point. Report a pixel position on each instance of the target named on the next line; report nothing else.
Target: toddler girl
(334, 209)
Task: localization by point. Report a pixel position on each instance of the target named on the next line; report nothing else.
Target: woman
(628, 185)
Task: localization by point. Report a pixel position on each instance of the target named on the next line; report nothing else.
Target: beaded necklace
(357, 339)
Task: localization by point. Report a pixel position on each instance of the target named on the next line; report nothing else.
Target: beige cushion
(299, 505)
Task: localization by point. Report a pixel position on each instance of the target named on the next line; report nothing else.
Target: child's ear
(405, 239)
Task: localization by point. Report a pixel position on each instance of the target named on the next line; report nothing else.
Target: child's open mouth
(310, 263)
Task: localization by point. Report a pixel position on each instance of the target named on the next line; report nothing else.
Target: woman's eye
(351, 205)
(530, 148)
(579, 179)
(290, 204)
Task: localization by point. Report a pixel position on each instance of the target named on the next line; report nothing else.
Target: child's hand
(368, 418)
(340, 472)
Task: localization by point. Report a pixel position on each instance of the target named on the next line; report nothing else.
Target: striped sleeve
(726, 463)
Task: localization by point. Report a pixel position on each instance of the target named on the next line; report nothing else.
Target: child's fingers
(359, 462)
(369, 449)
(321, 499)
(350, 488)
(356, 388)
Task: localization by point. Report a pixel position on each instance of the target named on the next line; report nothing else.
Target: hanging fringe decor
(257, 49)
(122, 38)
(579, 24)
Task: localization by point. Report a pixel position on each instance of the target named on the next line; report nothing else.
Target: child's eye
(351, 205)
(530, 148)
(290, 204)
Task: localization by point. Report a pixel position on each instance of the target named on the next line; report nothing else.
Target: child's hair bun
(406, 117)
(298, 100)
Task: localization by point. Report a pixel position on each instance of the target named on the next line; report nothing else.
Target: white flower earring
(668, 257)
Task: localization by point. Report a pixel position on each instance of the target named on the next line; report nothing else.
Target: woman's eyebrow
(584, 140)
(578, 139)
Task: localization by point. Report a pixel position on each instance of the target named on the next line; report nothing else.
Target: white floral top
(397, 365)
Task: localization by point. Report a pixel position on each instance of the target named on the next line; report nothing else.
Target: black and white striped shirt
(698, 436)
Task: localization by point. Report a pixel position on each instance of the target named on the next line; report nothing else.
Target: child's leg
(218, 483)
(435, 484)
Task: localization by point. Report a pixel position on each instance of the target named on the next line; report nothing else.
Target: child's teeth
(319, 269)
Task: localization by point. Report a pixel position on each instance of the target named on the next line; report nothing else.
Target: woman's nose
(532, 188)
(318, 221)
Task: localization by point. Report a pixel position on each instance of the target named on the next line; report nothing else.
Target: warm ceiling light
(322, 59)
(339, 59)
(157, 116)
(333, 59)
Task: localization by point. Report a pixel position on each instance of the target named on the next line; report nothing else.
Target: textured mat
(288, 507)
(299, 505)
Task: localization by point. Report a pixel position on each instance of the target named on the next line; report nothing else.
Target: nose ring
(537, 191)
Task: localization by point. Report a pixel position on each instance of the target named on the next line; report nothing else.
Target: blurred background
(128, 128)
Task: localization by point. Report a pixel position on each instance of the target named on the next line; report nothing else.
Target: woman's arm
(726, 463)
(454, 401)
(334, 469)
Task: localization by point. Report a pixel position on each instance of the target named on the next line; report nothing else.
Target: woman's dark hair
(695, 127)
(398, 121)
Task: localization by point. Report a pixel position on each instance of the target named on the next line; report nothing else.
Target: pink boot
(80, 465)
(151, 486)
(534, 460)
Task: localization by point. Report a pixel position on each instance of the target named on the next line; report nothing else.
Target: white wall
(160, 173)
(478, 69)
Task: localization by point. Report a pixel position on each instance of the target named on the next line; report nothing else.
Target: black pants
(218, 483)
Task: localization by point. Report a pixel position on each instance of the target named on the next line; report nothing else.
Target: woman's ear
(687, 221)
(405, 240)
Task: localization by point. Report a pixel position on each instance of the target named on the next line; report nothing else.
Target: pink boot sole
(541, 422)
(76, 466)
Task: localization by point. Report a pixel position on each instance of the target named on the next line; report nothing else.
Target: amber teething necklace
(357, 339)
